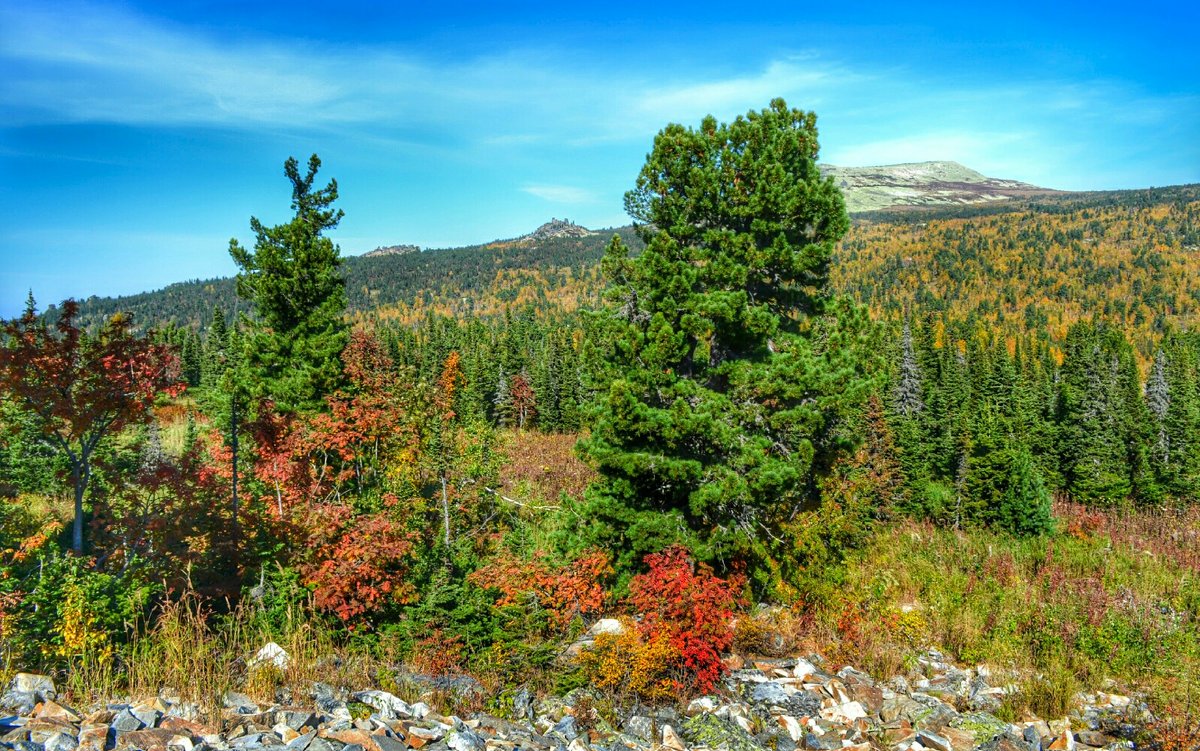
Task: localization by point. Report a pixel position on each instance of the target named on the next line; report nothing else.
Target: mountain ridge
(915, 184)
(1074, 235)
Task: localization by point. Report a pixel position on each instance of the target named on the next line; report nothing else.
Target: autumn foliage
(358, 564)
(692, 606)
(564, 592)
(82, 388)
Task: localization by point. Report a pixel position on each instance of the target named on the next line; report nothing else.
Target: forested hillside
(479, 280)
(1031, 267)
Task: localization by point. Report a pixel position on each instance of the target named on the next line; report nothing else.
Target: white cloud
(559, 193)
(92, 63)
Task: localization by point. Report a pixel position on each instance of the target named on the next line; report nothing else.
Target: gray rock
(640, 726)
(387, 743)
(324, 744)
(769, 692)
(566, 728)
(465, 740)
(389, 706)
(61, 742)
(20, 702)
(523, 705)
(40, 686)
(126, 722)
(1091, 738)
(239, 703)
(934, 741)
(148, 716)
(826, 742)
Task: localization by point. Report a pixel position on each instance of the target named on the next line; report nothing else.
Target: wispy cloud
(86, 63)
(559, 193)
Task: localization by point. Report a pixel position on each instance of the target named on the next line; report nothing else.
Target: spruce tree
(907, 395)
(292, 276)
(1024, 506)
(726, 361)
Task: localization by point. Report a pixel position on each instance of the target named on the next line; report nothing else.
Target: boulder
(640, 726)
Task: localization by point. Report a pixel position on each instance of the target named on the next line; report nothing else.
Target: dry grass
(542, 467)
(196, 656)
(1112, 596)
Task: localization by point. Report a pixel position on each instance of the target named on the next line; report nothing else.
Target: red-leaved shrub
(693, 606)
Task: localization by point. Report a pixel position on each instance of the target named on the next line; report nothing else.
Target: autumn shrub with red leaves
(563, 592)
(170, 515)
(358, 564)
(693, 606)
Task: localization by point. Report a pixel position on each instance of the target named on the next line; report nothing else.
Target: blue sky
(136, 138)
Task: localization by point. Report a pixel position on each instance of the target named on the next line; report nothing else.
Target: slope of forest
(478, 279)
(1031, 265)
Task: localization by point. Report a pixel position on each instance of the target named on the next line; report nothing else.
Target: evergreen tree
(502, 400)
(726, 362)
(907, 397)
(190, 356)
(1103, 452)
(1172, 400)
(1024, 506)
(292, 277)
(214, 361)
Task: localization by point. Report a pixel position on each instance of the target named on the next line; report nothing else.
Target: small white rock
(271, 654)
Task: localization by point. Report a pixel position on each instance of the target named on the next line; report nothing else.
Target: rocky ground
(776, 705)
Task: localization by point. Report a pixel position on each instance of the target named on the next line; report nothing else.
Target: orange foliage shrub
(358, 563)
(634, 665)
(438, 654)
(564, 592)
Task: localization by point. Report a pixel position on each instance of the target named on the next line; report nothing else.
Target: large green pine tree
(725, 361)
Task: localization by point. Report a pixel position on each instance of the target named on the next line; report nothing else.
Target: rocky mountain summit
(922, 184)
(392, 250)
(776, 705)
(556, 228)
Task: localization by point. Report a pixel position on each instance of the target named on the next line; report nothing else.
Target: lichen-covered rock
(715, 733)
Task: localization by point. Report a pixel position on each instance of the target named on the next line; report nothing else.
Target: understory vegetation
(724, 451)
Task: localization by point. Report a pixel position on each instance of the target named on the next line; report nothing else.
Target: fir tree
(907, 396)
(1024, 506)
(292, 277)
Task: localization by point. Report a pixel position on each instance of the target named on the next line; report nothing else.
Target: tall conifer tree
(727, 361)
(292, 276)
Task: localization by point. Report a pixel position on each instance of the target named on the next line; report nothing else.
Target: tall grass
(194, 655)
(1111, 598)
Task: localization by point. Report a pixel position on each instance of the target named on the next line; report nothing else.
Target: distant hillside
(478, 279)
(1026, 264)
(922, 184)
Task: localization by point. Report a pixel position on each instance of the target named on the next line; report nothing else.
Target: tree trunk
(445, 510)
(80, 475)
(233, 442)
